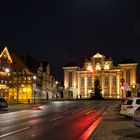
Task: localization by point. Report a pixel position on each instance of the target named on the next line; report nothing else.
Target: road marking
(90, 130)
(88, 112)
(56, 118)
(87, 107)
(14, 132)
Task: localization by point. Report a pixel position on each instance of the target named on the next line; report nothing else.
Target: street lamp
(56, 82)
(7, 70)
(34, 86)
(122, 84)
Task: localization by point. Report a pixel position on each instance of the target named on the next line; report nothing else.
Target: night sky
(63, 31)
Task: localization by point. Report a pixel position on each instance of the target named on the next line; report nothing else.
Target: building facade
(25, 80)
(5, 61)
(79, 82)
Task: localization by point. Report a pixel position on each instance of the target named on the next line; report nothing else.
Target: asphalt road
(59, 120)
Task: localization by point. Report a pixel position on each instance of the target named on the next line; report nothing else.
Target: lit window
(89, 68)
(89, 81)
(98, 66)
(114, 80)
(106, 66)
(106, 81)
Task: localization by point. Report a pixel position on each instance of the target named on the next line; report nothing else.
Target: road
(58, 120)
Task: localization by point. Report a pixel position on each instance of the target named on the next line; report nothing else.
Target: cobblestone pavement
(116, 127)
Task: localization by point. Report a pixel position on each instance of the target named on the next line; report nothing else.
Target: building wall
(109, 76)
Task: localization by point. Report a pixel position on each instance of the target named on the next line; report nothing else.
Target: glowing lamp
(122, 87)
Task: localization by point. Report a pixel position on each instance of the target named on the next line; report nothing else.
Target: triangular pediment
(98, 55)
(6, 55)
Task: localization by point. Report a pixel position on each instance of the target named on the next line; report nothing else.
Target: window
(82, 81)
(106, 81)
(82, 92)
(129, 102)
(114, 80)
(106, 66)
(98, 67)
(89, 81)
(138, 101)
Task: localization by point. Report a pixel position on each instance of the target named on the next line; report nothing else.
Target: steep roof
(17, 61)
(32, 63)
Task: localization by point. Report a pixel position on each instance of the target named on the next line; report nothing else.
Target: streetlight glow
(7, 70)
(34, 77)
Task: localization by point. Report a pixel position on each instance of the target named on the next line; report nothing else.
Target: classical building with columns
(78, 82)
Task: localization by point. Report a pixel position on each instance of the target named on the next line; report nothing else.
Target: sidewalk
(115, 127)
(19, 107)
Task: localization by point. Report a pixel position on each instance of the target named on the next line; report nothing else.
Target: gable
(6, 55)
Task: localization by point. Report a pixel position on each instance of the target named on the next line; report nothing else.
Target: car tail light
(130, 107)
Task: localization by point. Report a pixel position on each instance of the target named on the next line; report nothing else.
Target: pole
(122, 94)
(34, 96)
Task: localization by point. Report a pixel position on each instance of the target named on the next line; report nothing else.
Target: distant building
(78, 82)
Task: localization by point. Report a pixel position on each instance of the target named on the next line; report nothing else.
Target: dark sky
(61, 31)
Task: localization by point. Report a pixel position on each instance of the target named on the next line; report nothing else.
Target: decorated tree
(96, 89)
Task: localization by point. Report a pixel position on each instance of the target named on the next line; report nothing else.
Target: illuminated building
(78, 82)
(24, 79)
(20, 81)
(5, 61)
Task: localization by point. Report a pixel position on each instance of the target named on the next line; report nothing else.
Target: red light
(94, 68)
(122, 87)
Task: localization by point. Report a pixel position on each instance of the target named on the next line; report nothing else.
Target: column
(74, 79)
(134, 75)
(118, 85)
(110, 85)
(102, 84)
(65, 79)
(86, 86)
(79, 85)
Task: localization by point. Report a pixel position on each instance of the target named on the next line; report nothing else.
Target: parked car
(136, 117)
(3, 103)
(129, 106)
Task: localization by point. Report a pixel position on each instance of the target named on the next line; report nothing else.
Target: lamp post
(122, 84)
(34, 86)
(56, 83)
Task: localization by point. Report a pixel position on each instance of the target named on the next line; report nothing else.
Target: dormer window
(106, 66)
(98, 66)
(89, 68)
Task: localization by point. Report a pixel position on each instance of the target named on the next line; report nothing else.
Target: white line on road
(56, 118)
(11, 133)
